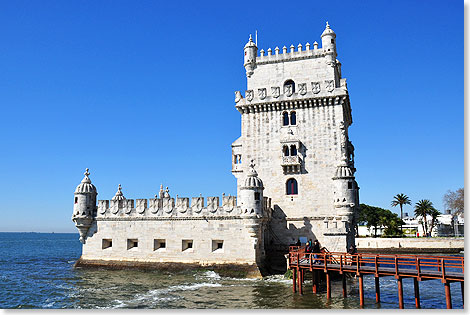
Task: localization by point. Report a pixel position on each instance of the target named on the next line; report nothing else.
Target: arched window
(291, 187)
(293, 118)
(293, 150)
(286, 150)
(291, 83)
(285, 119)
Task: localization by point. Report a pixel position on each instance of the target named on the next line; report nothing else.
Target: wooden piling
(345, 292)
(299, 281)
(416, 286)
(400, 293)
(328, 285)
(448, 296)
(314, 281)
(377, 290)
(361, 290)
(294, 279)
(461, 289)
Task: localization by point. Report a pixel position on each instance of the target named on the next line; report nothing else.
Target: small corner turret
(328, 41)
(251, 194)
(251, 51)
(84, 208)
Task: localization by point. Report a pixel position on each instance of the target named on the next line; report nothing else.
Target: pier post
(299, 281)
(461, 289)
(314, 281)
(294, 280)
(377, 290)
(400, 293)
(345, 292)
(361, 290)
(448, 296)
(328, 286)
(416, 285)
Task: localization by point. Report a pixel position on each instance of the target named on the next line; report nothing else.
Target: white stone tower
(84, 207)
(295, 117)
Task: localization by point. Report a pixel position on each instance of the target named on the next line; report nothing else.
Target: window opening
(291, 187)
(286, 151)
(285, 119)
(159, 244)
(257, 196)
(293, 118)
(106, 243)
(76, 199)
(293, 150)
(132, 243)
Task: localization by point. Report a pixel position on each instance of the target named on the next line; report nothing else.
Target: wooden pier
(448, 269)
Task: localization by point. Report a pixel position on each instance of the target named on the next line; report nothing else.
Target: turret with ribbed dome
(251, 194)
(346, 195)
(84, 208)
(251, 51)
(328, 41)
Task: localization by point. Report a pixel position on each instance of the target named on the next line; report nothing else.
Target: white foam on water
(158, 295)
(278, 279)
(211, 275)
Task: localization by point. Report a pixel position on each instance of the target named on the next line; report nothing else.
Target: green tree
(433, 213)
(424, 208)
(400, 200)
(374, 217)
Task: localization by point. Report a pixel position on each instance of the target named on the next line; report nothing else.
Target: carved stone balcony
(290, 160)
(291, 164)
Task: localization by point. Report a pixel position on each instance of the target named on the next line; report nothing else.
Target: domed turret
(346, 190)
(328, 41)
(251, 51)
(251, 194)
(84, 208)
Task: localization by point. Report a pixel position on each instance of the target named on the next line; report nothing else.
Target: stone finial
(299, 47)
(276, 50)
(292, 47)
(307, 46)
(327, 26)
(261, 52)
(167, 193)
(161, 192)
(119, 195)
(284, 50)
(270, 51)
(86, 172)
(315, 45)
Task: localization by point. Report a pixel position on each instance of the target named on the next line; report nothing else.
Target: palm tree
(401, 199)
(433, 213)
(424, 208)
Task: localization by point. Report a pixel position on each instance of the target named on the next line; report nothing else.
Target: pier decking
(446, 268)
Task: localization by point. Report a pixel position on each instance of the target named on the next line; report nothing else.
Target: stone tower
(84, 206)
(295, 117)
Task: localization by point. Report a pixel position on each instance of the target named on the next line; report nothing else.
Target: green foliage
(401, 200)
(425, 208)
(375, 217)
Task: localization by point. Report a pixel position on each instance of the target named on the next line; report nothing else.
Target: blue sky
(142, 93)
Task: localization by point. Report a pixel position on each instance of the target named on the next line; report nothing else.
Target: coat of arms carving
(238, 96)
(262, 93)
(330, 85)
(249, 95)
(275, 91)
(288, 90)
(303, 88)
(316, 87)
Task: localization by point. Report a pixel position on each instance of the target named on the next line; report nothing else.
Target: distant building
(445, 225)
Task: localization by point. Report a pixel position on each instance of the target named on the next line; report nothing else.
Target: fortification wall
(210, 240)
(417, 245)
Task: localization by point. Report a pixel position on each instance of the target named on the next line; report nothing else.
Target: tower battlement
(175, 207)
(291, 54)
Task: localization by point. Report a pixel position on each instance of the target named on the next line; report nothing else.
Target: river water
(36, 271)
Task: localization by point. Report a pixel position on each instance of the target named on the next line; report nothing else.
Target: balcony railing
(290, 160)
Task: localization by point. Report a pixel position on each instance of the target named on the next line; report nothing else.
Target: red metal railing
(430, 267)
